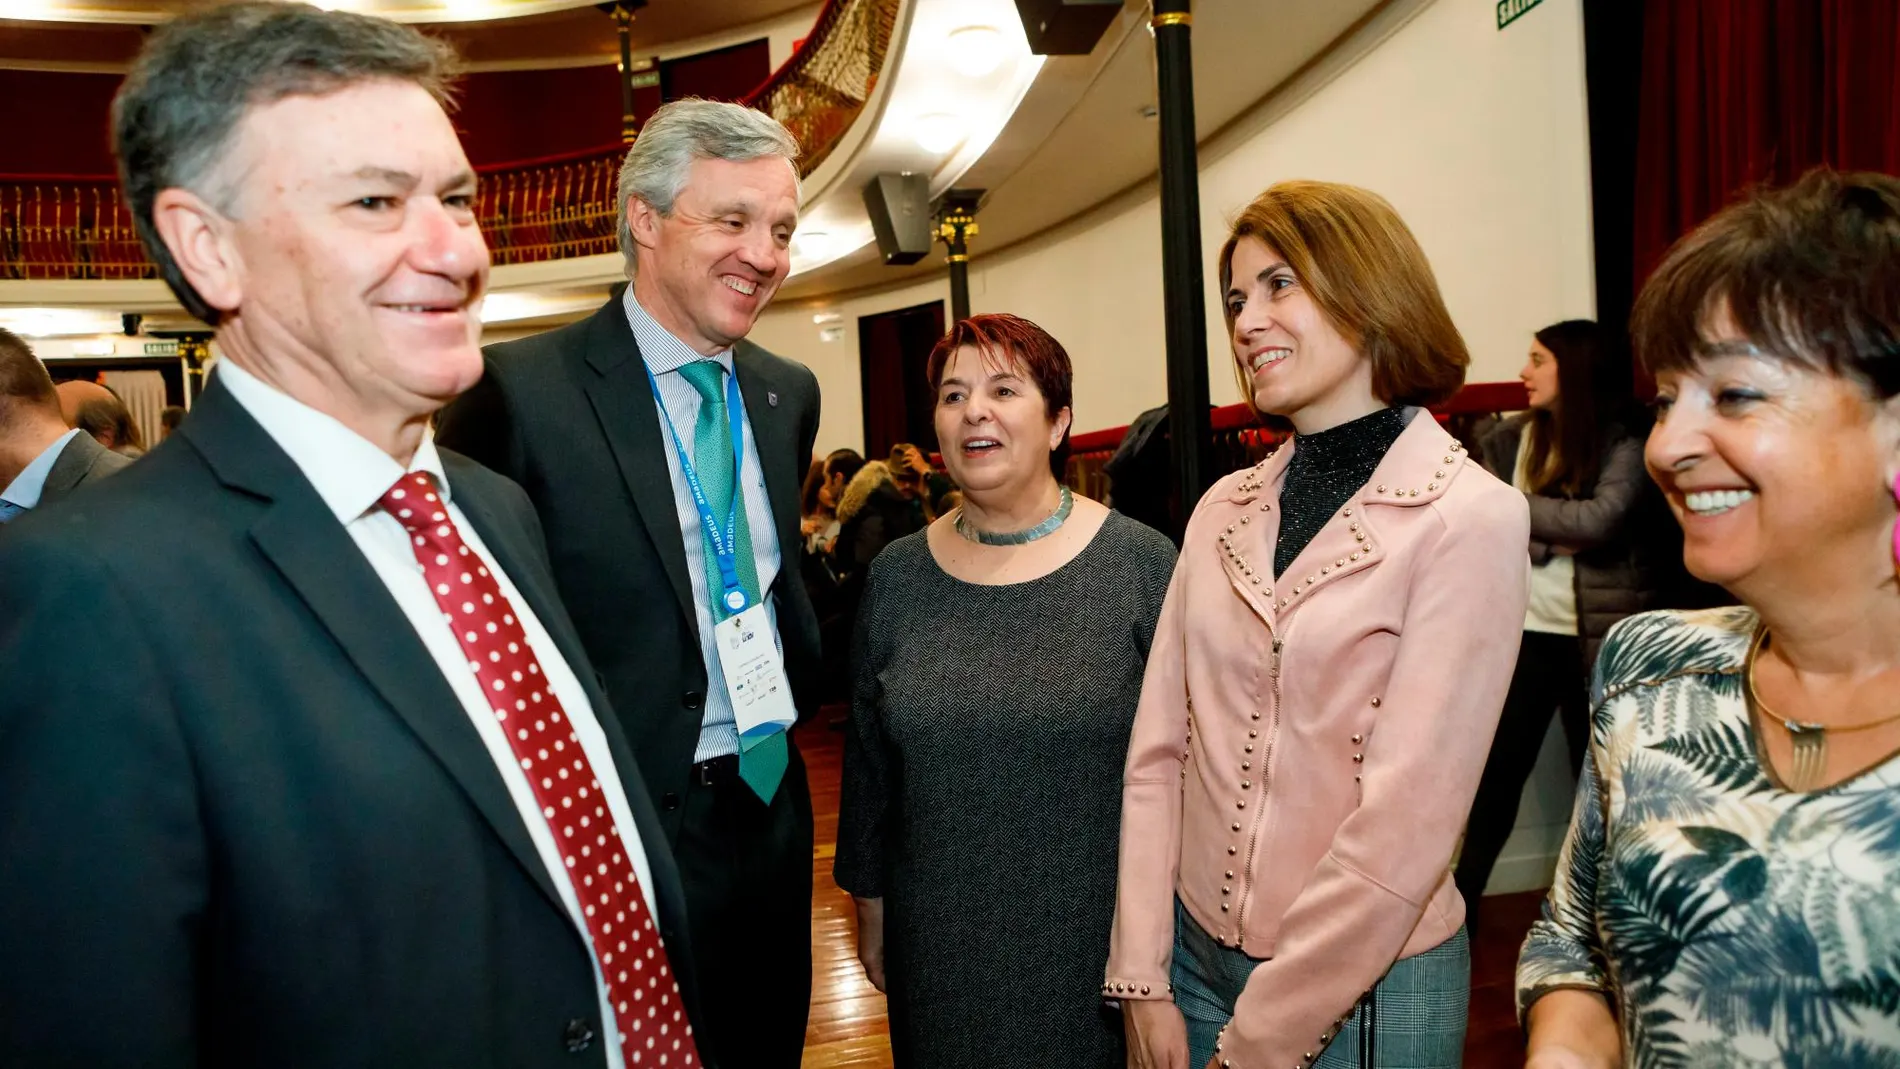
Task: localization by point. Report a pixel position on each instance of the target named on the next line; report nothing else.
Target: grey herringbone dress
(982, 795)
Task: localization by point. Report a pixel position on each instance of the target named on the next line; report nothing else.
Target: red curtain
(1740, 92)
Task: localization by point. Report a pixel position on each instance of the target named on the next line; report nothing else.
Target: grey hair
(686, 130)
(174, 118)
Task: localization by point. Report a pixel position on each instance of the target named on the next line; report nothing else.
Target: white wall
(1478, 136)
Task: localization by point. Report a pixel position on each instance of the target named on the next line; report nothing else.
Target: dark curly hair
(1809, 273)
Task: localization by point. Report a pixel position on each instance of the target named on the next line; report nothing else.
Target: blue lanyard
(724, 542)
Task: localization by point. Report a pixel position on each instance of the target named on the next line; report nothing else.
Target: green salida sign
(1510, 11)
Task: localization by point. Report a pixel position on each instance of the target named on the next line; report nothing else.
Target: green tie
(762, 759)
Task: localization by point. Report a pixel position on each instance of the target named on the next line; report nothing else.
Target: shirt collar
(662, 350)
(26, 487)
(349, 472)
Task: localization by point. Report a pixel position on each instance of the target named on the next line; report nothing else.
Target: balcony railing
(63, 226)
(76, 227)
(819, 92)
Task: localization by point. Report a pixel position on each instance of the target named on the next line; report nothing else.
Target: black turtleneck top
(1326, 470)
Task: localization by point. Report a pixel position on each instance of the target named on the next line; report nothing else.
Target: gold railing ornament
(820, 91)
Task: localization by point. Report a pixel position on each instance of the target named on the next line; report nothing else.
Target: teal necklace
(1028, 534)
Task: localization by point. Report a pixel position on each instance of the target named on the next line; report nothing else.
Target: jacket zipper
(1266, 764)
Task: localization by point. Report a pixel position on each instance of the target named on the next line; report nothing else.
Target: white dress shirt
(665, 355)
(351, 475)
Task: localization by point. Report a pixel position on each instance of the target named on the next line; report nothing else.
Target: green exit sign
(161, 348)
(1510, 11)
(645, 79)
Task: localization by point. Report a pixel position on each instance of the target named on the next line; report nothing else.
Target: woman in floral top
(1729, 894)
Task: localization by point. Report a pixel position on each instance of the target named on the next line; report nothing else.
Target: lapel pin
(771, 398)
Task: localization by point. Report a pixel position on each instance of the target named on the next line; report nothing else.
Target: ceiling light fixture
(58, 322)
(938, 132)
(976, 50)
(812, 244)
(822, 318)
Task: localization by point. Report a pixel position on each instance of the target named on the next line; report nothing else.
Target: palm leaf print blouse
(1728, 920)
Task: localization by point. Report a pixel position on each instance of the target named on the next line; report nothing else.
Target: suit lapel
(1248, 534)
(624, 404)
(522, 564)
(523, 567)
(72, 464)
(774, 432)
(320, 562)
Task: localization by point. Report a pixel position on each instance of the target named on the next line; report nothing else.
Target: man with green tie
(663, 453)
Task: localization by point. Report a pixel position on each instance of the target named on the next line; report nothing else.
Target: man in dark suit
(609, 424)
(41, 458)
(302, 762)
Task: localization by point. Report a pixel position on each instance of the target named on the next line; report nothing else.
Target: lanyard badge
(745, 642)
(724, 541)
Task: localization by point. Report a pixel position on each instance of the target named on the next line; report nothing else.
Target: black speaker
(899, 205)
(1066, 27)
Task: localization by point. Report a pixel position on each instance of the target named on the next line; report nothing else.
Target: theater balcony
(947, 90)
(541, 113)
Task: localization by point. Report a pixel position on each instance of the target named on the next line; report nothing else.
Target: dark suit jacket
(570, 416)
(244, 819)
(82, 461)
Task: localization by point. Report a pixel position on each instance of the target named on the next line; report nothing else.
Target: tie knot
(708, 378)
(414, 501)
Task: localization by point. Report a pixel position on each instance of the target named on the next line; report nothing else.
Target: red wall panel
(55, 123)
(506, 116)
(722, 74)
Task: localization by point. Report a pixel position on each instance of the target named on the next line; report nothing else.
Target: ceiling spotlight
(813, 244)
(938, 132)
(58, 322)
(505, 307)
(976, 50)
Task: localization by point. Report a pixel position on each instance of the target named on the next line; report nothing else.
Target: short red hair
(1004, 338)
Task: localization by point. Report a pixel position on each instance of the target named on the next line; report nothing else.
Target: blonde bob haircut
(1369, 277)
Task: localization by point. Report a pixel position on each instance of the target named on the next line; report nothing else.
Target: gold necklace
(1807, 739)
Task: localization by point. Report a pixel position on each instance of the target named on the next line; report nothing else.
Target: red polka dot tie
(645, 995)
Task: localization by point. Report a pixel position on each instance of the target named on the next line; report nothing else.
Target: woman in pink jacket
(1326, 677)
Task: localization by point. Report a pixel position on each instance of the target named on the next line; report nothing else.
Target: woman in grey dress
(998, 661)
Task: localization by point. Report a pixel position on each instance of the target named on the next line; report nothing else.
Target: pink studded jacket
(1307, 746)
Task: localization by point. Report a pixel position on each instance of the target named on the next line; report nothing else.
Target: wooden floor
(847, 1015)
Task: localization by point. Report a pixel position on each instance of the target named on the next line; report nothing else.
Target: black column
(622, 12)
(1612, 71)
(956, 225)
(1181, 277)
